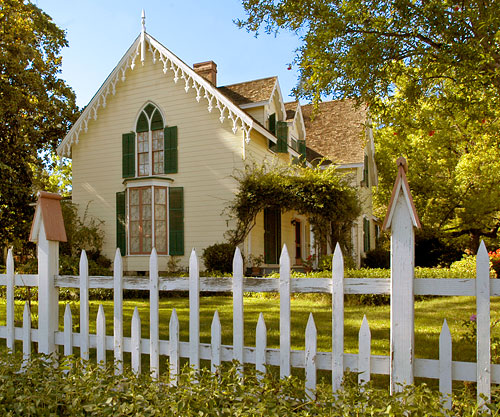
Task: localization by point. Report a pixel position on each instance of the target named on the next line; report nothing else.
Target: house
(155, 151)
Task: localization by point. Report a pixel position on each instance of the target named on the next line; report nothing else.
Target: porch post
(47, 231)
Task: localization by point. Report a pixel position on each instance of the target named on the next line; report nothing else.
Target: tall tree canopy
(36, 108)
(430, 72)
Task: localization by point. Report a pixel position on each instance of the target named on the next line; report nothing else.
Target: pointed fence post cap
(49, 213)
(401, 185)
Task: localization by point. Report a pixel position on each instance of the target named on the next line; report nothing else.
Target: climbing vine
(322, 194)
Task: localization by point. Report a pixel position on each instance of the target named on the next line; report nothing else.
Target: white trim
(148, 182)
(251, 105)
(171, 63)
(347, 166)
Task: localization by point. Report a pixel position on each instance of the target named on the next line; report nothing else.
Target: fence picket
(483, 323)
(260, 345)
(101, 336)
(364, 346)
(68, 331)
(136, 342)
(154, 316)
(216, 342)
(118, 312)
(310, 356)
(194, 311)
(10, 302)
(26, 334)
(238, 318)
(173, 345)
(337, 318)
(84, 307)
(445, 364)
(285, 313)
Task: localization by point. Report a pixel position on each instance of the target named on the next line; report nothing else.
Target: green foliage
(377, 258)
(219, 257)
(36, 109)
(428, 70)
(323, 195)
(76, 389)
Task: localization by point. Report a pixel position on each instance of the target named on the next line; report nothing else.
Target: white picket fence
(336, 361)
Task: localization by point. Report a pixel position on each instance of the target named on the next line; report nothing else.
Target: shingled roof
(250, 91)
(337, 131)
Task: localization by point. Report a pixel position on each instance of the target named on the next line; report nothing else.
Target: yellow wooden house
(155, 150)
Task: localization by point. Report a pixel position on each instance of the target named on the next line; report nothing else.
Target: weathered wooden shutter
(156, 121)
(128, 155)
(366, 234)
(302, 150)
(121, 240)
(282, 135)
(170, 150)
(176, 220)
(272, 235)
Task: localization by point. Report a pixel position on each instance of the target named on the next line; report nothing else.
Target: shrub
(219, 257)
(76, 389)
(377, 258)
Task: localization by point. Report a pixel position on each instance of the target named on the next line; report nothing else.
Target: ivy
(322, 194)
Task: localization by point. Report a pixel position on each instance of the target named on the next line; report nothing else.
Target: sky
(100, 32)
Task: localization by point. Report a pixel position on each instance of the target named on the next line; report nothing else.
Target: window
(152, 148)
(151, 216)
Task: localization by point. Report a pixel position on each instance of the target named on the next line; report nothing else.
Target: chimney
(207, 70)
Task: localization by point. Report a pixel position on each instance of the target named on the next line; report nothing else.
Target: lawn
(429, 316)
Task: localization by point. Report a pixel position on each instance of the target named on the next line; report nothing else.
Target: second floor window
(150, 142)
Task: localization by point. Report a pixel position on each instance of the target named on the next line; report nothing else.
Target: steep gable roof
(250, 92)
(171, 66)
(337, 130)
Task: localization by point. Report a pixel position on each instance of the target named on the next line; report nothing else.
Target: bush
(76, 389)
(377, 258)
(219, 257)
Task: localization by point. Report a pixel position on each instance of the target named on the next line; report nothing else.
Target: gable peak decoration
(171, 65)
(401, 185)
(49, 213)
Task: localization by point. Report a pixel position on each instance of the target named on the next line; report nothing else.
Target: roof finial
(143, 37)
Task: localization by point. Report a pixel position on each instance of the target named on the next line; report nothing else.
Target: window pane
(158, 162)
(160, 195)
(160, 212)
(146, 196)
(134, 212)
(134, 244)
(146, 212)
(146, 245)
(157, 140)
(134, 197)
(143, 142)
(161, 236)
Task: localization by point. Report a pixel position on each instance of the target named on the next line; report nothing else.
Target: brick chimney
(207, 70)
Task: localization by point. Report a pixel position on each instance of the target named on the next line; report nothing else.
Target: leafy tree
(36, 108)
(430, 72)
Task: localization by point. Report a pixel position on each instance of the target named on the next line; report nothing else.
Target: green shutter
(302, 150)
(176, 220)
(156, 121)
(170, 150)
(282, 135)
(272, 235)
(121, 241)
(128, 155)
(366, 235)
(272, 129)
(142, 123)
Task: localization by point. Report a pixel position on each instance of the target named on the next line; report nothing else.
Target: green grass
(429, 316)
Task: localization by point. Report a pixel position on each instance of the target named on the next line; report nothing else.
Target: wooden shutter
(170, 150)
(128, 155)
(272, 129)
(272, 235)
(121, 240)
(156, 121)
(282, 135)
(366, 235)
(176, 220)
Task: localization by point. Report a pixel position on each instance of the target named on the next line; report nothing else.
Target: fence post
(47, 231)
(401, 219)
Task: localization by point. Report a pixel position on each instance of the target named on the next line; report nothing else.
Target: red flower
(457, 8)
(289, 67)
(431, 132)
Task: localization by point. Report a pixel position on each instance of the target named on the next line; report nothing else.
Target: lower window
(148, 219)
